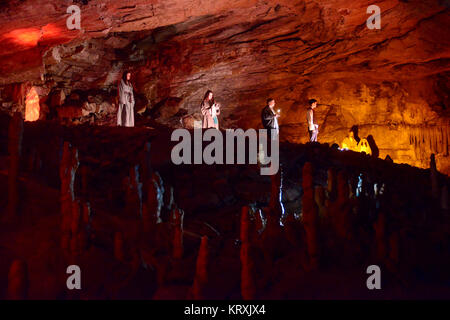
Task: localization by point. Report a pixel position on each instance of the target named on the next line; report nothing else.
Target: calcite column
(310, 215)
(18, 281)
(15, 136)
(201, 273)
(178, 216)
(67, 171)
(248, 286)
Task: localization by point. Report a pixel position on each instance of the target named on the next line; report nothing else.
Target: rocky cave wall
(391, 83)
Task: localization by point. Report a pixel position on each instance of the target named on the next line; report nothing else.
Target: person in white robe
(125, 114)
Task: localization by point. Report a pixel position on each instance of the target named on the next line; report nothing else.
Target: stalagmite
(319, 197)
(153, 204)
(380, 236)
(260, 220)
(331, 184)
(18, 281)
(434, 176)
(339, 210)
(75, 228)
(67, 170)
(134, 192)
(177, 217)
(80, 227)
(119, 247)
(201, 273)
(394, 249)
(444, 197)
(310, 215)
(15, 135)
(276, 206)
(84, 181)
(248, 287)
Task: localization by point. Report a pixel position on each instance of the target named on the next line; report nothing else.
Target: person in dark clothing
(269, 116)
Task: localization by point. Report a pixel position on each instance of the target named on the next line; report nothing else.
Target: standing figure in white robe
(125, 114)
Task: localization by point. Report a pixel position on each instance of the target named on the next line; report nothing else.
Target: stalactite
(177, 217)
(18, 281)
(68, 167)
(248, 287)
(199, 286)
(310, 215)
(15, 136)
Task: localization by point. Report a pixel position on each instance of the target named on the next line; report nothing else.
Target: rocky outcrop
(391, 83)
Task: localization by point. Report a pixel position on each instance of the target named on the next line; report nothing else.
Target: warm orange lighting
(32, 105)
(50, 30)
(349, 143)
(26, 37)
(363, 146)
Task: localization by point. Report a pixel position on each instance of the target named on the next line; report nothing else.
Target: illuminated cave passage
(84, 179)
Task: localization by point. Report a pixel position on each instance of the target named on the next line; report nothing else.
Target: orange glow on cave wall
(32, 105)
(27, 37)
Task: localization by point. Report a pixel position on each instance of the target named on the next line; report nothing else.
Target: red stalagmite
(15, 135)
(18, 281)
(201, 273)
(248, 287)
(178, 216)
(67, 170)
(310, 215)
